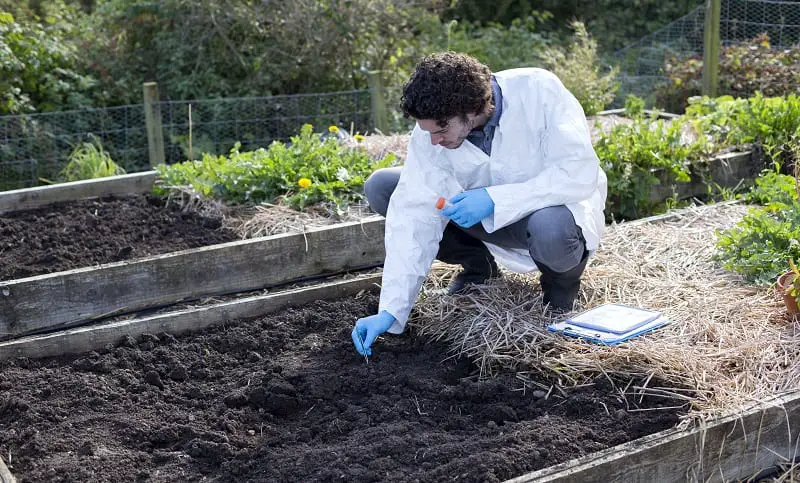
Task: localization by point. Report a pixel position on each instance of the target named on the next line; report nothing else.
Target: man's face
(450, 136)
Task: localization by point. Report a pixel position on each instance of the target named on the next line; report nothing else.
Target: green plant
(579, 70)
(635, 155)
(39, 65)
(773, 189)
(634, 106)
(761, 244)
(309, 170)
(773, 123)
(89, 161)
(500, 47)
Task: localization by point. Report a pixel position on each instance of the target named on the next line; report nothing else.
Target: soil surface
(79, 234)
(286, 398)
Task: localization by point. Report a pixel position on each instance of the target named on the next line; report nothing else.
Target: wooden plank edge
(27, 198)
(189, 252)
(597, 467)
(88, 338)
(5, 473)
(88, 293)
(733, 162)
(621, 110)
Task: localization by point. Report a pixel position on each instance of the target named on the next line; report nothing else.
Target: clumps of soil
(286, 398)
(85, 233)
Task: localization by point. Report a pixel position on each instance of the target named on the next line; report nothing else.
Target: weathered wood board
(96, 337)
(43, 302)
(5, 474)
(731, 448)
(27, 198)
(727, 171)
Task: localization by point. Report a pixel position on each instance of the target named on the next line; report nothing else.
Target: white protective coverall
(542, 156)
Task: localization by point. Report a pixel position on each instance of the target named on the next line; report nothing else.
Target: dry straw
(731, 343)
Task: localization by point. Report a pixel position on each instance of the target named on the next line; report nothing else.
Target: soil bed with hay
(730, 343)
(285, 397)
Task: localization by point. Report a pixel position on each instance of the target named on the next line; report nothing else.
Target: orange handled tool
(440, 202)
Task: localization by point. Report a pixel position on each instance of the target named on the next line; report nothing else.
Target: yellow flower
(304, 183)
(359, 137)
(765, 43)
(333, 129)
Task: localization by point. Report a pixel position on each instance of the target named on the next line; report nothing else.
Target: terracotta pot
(791, 304)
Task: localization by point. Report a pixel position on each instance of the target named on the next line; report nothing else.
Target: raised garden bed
(285, 397)
(85, 233)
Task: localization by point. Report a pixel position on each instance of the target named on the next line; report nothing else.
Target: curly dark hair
(445, 85)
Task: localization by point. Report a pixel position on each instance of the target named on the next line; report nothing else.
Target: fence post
(152, 117)
(379, 114)
(711, 48)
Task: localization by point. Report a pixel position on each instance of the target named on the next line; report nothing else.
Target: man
(512, 154)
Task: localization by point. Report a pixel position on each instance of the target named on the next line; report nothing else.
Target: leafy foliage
(308, 170)
(744, 69)
(776, 191)
(89, 161)
(772, 123)
(202, 49)
(760, 246)
(633, 155)
(500, 47)
(38, 64)
(579, 70)
(767, 239)
(613, 22)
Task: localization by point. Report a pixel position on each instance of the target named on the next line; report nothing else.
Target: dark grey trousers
(551, 236)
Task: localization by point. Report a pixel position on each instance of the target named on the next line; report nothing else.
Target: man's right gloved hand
(368, 329)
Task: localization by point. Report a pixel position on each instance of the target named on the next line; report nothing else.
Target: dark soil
(286, 398)
(79, 234)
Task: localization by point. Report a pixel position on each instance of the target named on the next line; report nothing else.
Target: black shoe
(559, 290)
(469, 278)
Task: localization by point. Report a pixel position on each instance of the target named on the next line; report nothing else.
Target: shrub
(744, 69)
(498, 46)
(579, 70)
(38, 65)
(306, 171)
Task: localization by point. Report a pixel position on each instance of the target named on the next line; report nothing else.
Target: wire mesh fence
(217, 125)
(34, 148)
(642, 62)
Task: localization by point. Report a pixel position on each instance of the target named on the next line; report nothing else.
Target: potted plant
(789, 288)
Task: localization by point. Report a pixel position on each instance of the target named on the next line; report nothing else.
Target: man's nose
(436, 139)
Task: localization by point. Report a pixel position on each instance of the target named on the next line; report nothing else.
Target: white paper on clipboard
(614, 318)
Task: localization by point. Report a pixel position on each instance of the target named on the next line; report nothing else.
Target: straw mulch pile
(730, 343)
(268, 219)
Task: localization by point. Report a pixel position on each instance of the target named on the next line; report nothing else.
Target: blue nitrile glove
(369, 328)
(469, 207)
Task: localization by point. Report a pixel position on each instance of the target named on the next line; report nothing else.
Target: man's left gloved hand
(469, 207)
(367, 329)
